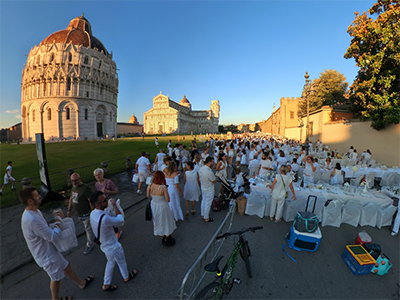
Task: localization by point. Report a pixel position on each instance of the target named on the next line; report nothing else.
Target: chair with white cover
(255, 205)
(388, 179)
(370, 179)
(372, 163)
(291, 208)
(351, 163)
(351, 213)
(369, 214)
(357, 181)
(331, 214)
(385, 216)
(317, 177)
(326, 176)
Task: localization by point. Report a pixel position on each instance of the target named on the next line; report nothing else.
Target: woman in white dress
(191, 189)
(279, 188)
(309, 169)
(337, 175)
(328, 164)
(197, 162)
(163, 219)
(174, 190)
(231, 153)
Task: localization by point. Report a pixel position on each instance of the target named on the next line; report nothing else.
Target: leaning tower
(214, 115)
(69, 86)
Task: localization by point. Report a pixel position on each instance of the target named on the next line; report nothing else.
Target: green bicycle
(224, 282)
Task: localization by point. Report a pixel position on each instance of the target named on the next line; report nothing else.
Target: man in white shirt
(207, 181)
(109, 242)
(39, 237)
(265, 164)
(142, 167)
(253, 165)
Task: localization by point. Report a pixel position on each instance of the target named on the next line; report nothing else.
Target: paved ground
(319, 275)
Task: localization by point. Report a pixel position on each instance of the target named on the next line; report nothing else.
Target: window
(51, 58)
(110, 117)
(68, 111)
(44, 88)
(68, 84)
(101, 90)
(87, 94)
(86, 60)
(49, 114)
(292, 114)
(86, 113)
(70, 57)
(33, 115)
(100, 65)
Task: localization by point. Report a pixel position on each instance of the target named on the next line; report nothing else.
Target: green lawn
(65, 155)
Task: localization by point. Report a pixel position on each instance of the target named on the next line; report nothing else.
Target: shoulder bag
(148, 213)
(97, 239)
(284, 186)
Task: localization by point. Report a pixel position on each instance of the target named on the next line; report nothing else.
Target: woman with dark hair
(174, 190)
(221, 169)
(337, 175)
(163, 218)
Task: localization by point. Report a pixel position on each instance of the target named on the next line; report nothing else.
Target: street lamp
(308, 106)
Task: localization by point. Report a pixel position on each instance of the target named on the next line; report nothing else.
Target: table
(354, 208)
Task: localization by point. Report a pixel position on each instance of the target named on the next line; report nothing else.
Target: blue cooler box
(304, 240)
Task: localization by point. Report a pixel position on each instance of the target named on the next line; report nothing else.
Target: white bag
(155, 168)
(331, 214)
(135, 178)
(67, 239)
(149, 180)
(111, 211)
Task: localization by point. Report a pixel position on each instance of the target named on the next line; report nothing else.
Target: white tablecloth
(259, 201)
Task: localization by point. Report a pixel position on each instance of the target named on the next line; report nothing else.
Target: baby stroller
(228, 193)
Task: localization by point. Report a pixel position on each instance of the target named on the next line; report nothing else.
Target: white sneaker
(139, 192)
(393, 233)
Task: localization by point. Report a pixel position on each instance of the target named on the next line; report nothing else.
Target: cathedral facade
(69, 86)
(168, 116)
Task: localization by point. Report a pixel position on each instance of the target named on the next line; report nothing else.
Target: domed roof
(78, 32)
(184, 100)
(133, 119)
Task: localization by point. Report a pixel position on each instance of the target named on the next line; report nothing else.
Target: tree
(375, 46)
(328, 89)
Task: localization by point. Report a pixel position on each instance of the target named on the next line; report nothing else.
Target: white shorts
(56, 269)
(8, 179)
(143, 176)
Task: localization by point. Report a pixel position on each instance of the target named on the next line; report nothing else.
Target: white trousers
(206, 201)
(89, 232)
(277, 205)
(115, 256)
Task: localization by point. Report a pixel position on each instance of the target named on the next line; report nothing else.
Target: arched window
(69, 57)
(110, 117)
(86, 113)
(100, 64)
(68, 84)
(68, 113)
(49, 114)
(51, 58)
(86, 60)
(33, 115)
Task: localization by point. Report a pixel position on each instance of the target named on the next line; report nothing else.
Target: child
(191, 190)
(279, 189)
(8, 178)
(239, 181)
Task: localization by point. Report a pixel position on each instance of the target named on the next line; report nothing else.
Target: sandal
(271, 219)
(187, 214)
(66, 298)
(131, 275)
(277, 221)
(209, 220)
(88, 280)
(193, 212)
(111, 288)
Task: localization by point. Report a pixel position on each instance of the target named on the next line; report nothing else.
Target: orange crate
(360, 254)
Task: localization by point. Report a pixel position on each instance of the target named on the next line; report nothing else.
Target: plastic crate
(358, 260)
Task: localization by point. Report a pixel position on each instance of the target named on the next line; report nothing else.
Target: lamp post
(308, 112)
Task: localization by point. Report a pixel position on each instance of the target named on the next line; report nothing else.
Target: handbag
(97, 239)
(149, 214)
(67, 239)
(306, 222)
(284, 186)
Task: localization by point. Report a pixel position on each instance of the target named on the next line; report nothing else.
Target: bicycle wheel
(245, 253)
(211, 291)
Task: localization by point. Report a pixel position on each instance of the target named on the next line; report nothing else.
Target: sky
(246, 54)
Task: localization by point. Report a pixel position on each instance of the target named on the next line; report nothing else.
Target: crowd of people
(198, 168)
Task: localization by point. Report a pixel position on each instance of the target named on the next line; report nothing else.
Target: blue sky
(246, 54)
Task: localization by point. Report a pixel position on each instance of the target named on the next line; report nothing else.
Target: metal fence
(194, 277)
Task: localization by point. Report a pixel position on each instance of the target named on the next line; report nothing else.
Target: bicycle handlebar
(227, 234)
